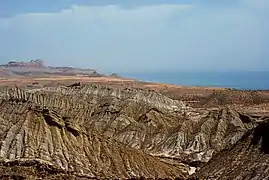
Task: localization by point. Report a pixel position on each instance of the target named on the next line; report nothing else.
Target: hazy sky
(135, 35)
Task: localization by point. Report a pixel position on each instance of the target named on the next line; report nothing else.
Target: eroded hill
(33, 134)
(97, 131)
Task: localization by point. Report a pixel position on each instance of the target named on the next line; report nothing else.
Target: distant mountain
(37, 68)
(31, 64)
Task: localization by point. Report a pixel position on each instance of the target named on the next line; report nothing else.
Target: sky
(137, 35)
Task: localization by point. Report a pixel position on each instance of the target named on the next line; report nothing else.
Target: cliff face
(97, 131)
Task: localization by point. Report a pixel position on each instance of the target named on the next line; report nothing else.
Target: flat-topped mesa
(31, 64)
(37, 68)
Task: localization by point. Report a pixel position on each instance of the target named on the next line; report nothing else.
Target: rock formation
(95, 131)
(247, 159)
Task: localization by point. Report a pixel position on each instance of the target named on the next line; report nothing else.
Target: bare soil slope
(63, 126)
(96, 131)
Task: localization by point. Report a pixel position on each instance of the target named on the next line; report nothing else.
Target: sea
(247, 80)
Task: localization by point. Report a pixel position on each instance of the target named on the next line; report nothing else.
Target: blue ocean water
(238, 80)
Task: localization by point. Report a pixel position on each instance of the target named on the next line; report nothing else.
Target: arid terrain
(63, 125)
